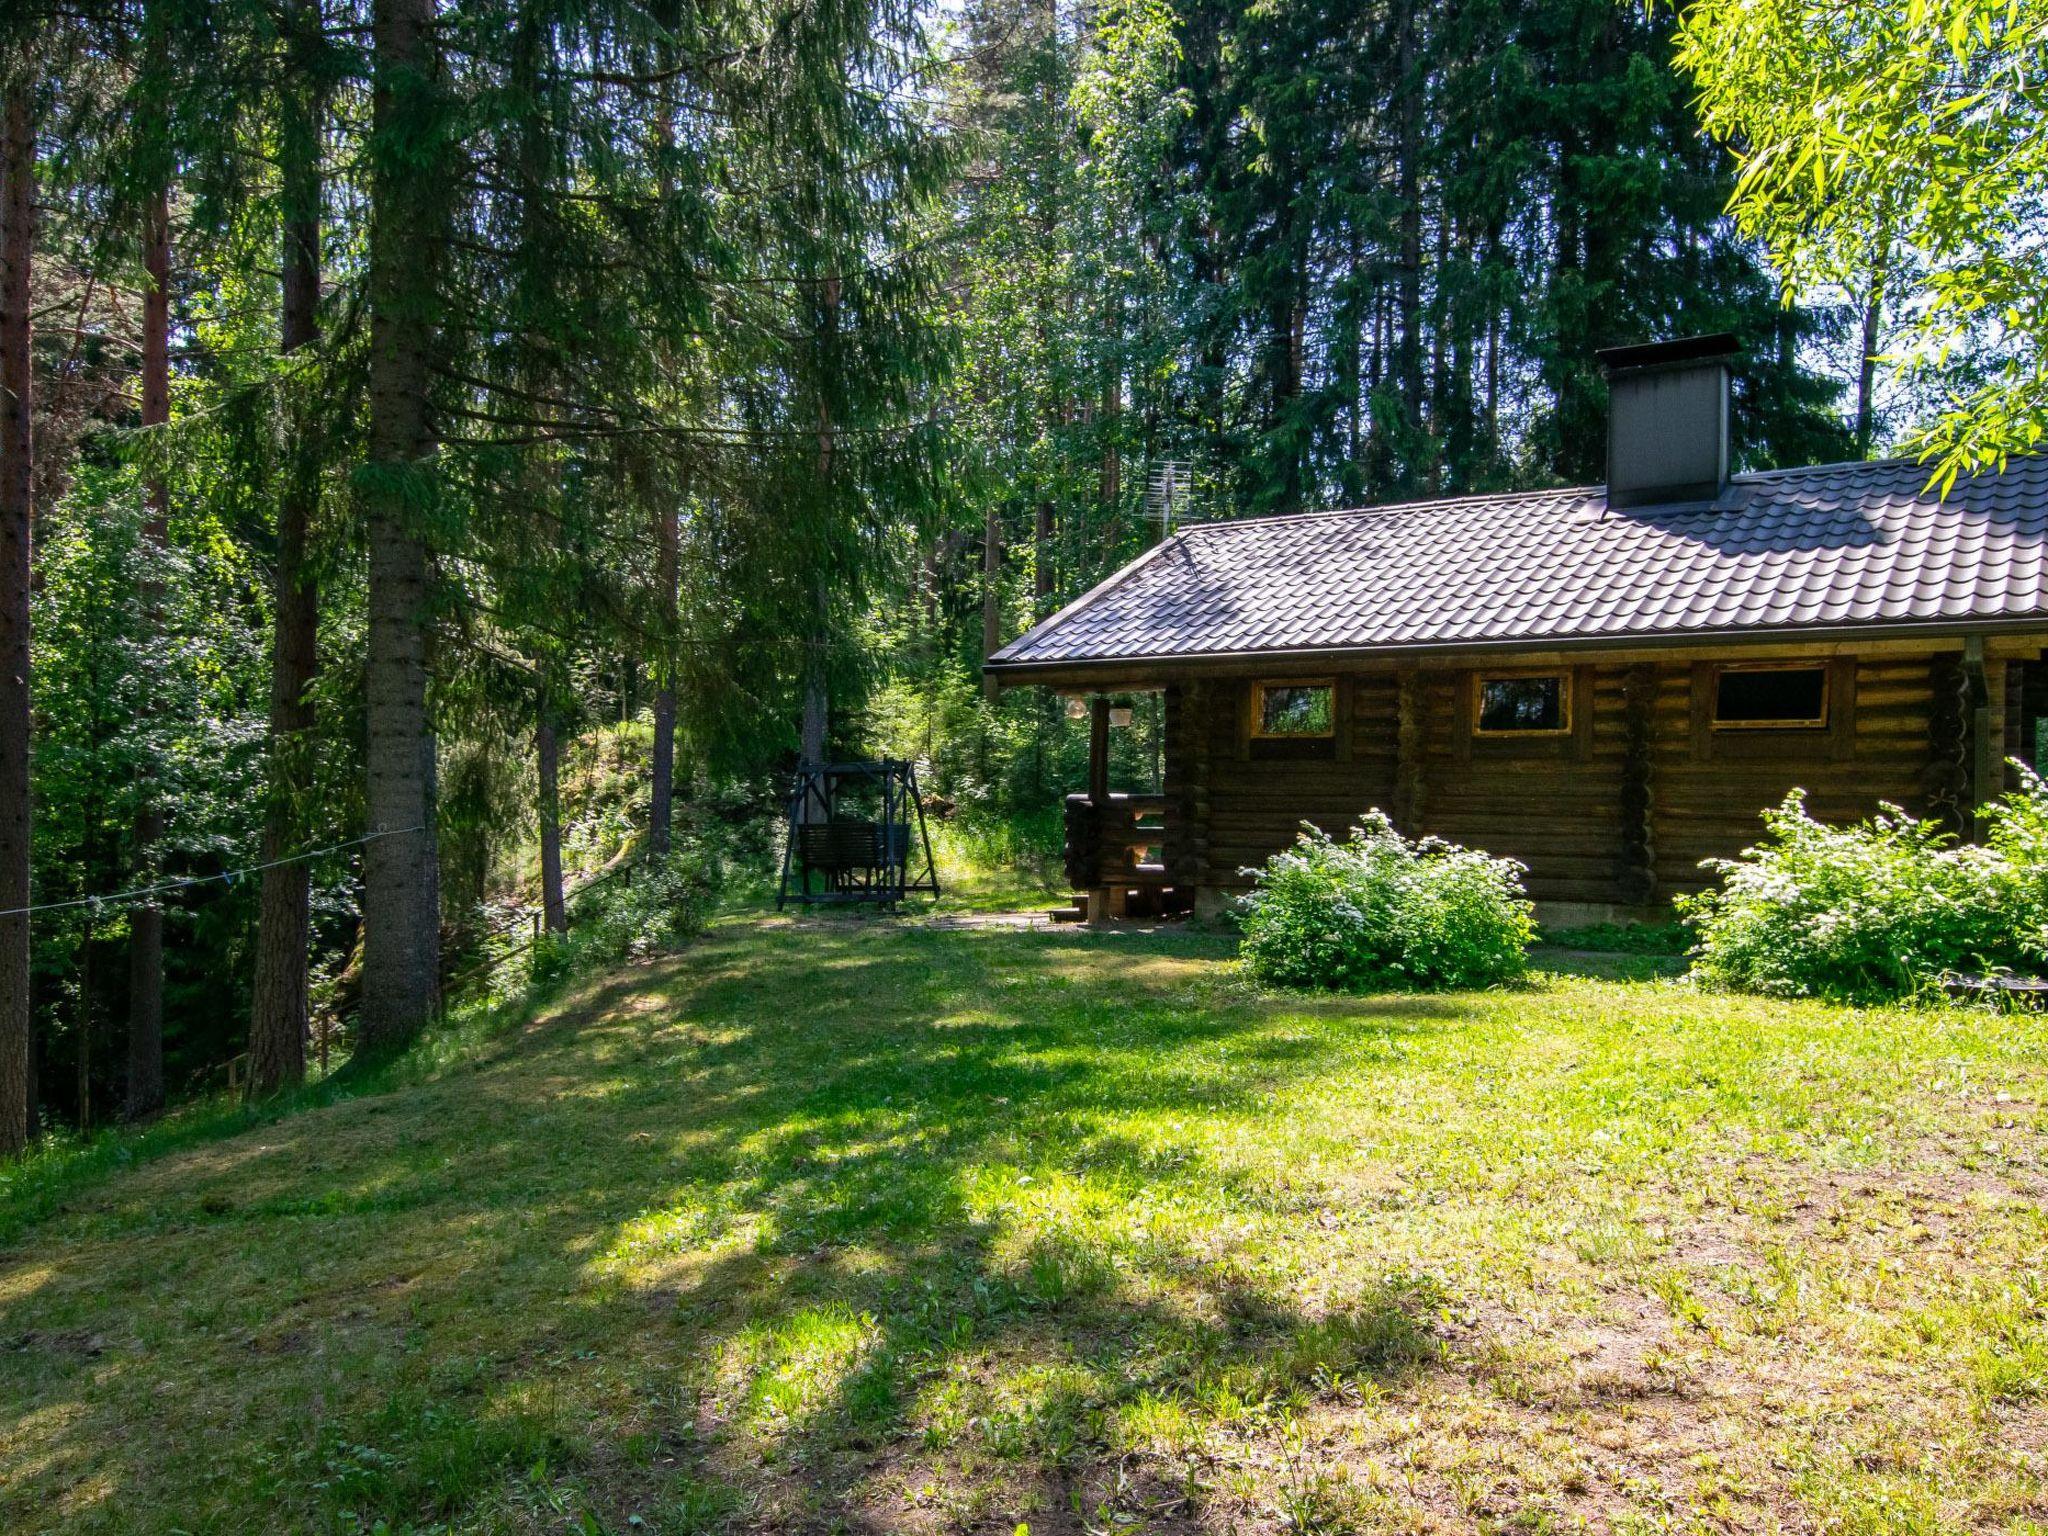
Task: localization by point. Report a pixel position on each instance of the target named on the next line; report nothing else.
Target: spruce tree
(410, 178)
(17, 248)
(279, 1017)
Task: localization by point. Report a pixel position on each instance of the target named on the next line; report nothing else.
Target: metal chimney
(1667, 422)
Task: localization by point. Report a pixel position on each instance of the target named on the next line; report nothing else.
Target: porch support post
(1949, 794)
(1986, 777)
(1103, 902)
(1098, 750)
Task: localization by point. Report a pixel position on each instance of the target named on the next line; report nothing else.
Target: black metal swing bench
(835, 853)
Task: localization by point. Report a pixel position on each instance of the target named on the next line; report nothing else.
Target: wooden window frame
(1254, 726)
(1566, 688)
(1818, 726)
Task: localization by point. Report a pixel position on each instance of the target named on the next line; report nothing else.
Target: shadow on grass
(1606, 965)
(702, 1250)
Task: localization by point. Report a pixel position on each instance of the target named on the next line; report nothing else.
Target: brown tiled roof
(1843, 546)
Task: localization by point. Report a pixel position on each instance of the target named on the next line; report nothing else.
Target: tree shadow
(769, 1236)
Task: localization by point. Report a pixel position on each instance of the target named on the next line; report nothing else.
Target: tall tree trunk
(17, 243)
(547, 751)
(666, 562)
(1408, 371)
(814, 729)
(82, 1066)
(401, 885)
(1866, 376)
(278, 1017)
(146, 918)
(1041, 557)
(668, 539)
(1110, 415)
(1494, 323)
(667, 547)
(1866, 359)
(991, 596)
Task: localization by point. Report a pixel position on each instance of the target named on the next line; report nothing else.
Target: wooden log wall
(1243, 801)
(1551, 802)
(1620, 809)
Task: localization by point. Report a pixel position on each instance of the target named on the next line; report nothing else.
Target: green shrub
(1378, 911)
(1881, 909)
(653, 908)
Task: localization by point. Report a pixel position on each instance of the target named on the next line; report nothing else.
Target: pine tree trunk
(1110, 479)
(668, 538)
(82, 1065)
(1866, 362)
(815, 727)
(547, 752)
(17, 242)
(1041, 559)
(146, 918)
(1494, 322)
(1408, 370)
(401, 885)
(667, 546)
(991, 596)
(278, 1018)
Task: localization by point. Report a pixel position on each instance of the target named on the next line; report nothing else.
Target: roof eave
(1112, 670)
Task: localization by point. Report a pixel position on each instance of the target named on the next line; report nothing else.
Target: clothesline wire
(227, 875)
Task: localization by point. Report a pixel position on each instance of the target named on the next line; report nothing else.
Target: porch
(1116, 840)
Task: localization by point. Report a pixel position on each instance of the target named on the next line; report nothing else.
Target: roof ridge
(1551, 492)
(1382, 508)
(1891, 462)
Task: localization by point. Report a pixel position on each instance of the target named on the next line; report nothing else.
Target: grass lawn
(875, 1227)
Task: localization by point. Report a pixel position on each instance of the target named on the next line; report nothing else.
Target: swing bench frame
(856, 860)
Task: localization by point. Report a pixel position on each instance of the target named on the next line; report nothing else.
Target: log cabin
(1607, 683)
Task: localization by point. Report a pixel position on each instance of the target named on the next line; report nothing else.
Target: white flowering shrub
(1881, 909)
(1378, 911)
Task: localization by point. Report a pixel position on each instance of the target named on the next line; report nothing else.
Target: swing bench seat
(839, 847)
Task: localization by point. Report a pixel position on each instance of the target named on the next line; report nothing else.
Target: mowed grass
(836, 1226)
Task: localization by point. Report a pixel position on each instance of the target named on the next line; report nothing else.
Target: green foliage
(1880, 909)
(1379, 911)
(1899, 152)
(1621, 938)
(999, 761)
(634, 912)
(145, 663)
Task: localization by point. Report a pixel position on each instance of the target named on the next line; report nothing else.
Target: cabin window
(1536, 704)
(1790, 698)
(1290, 711)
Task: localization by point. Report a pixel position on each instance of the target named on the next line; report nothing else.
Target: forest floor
(869, 1227)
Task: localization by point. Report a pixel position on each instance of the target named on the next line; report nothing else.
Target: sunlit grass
(871, 1226)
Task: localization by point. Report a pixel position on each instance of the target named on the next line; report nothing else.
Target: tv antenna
(1173, 494)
